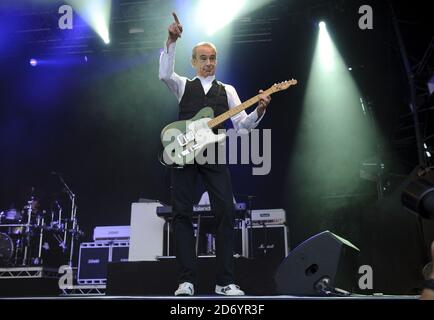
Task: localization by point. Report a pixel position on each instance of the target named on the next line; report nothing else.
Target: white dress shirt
(176, 84)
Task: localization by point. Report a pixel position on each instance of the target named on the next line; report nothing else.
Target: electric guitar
(183, 140)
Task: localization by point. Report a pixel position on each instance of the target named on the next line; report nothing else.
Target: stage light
(101, 27)
(212, 17)
(418, 195)
(96, 13)
(322, 25)
(328, 53)
(33, 62)
(333, 136)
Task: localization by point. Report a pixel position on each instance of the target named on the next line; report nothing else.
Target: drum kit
(31, 235)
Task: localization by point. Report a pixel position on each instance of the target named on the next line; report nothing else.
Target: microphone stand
(73, 218)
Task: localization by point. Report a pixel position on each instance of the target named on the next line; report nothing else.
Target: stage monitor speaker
(319, 265)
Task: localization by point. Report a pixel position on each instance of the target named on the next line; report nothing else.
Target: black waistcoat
(194, 99)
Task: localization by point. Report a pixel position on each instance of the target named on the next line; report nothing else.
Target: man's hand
(175, 30)
(264, 101)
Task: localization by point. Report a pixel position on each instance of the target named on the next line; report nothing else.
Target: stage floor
(219, 298)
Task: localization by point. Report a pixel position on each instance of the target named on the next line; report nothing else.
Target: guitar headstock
(283, 85)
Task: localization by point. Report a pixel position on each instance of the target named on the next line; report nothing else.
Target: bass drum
(6, 249)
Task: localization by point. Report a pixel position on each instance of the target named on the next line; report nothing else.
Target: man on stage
(193, 95)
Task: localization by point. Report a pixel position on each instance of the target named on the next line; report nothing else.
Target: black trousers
(217, 181)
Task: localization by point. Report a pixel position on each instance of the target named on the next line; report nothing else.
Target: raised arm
(175, 31)
(166, 72)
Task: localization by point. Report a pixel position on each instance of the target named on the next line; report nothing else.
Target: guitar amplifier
(112, 233)
(94, 258)
(269, 242)
(267, 217)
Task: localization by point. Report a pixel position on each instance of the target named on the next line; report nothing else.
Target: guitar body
(183, 140)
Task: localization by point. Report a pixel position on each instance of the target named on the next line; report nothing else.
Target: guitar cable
(170, 166)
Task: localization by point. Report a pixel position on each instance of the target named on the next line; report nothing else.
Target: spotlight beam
(211, 17)
(96, 13)
(334, 136)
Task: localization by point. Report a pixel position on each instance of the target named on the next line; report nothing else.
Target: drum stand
(56, 224)
(26, 238)
(41, 235)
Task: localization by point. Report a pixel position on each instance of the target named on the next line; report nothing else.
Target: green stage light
(335, 135)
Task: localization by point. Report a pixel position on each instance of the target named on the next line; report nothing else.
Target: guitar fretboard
(232, 112)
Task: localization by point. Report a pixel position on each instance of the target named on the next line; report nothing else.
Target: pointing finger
(176, 18)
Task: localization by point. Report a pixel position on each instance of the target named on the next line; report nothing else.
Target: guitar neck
(232, 112)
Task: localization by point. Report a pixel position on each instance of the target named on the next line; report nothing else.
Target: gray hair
(200, 44)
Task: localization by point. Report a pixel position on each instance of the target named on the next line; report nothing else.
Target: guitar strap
(221, 87)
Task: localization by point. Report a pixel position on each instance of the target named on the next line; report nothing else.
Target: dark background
(98, 123)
